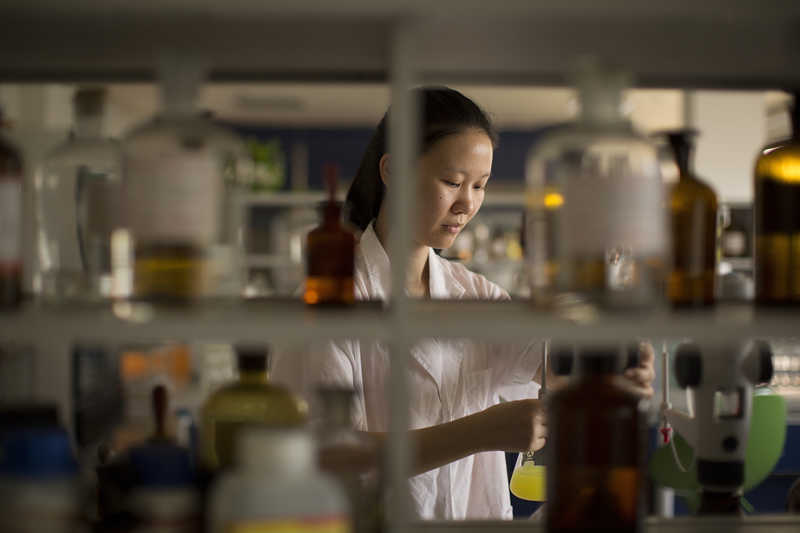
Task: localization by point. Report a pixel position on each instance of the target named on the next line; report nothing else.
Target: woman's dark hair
(444, 112)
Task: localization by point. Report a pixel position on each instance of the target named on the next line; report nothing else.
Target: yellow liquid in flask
(528, 482)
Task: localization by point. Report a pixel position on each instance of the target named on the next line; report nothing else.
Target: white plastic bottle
(277, 487)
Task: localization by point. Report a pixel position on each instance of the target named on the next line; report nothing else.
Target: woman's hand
(517, 426)
(641, 377)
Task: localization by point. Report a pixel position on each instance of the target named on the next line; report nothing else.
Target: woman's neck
(417, 276)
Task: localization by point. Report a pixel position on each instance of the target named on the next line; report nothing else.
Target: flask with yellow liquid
(528, 481)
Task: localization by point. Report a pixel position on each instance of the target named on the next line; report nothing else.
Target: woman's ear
(383, 168)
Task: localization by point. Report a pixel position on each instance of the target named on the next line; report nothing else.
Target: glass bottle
(693, 210)
(77, 195)
(251, 400)
(10, 222)
(777, 218)
(331, 250)
(350, 457)
(177, 198)
(597, 440)
(595, 219)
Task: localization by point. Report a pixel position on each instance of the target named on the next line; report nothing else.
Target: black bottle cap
(252, 357)
(681, 142)
(597, 361)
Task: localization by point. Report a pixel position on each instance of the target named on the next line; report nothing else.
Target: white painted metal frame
(498, 42)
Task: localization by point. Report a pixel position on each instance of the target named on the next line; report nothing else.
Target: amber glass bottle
(777, 219)
(330, 249)
(10, 223)
(597, 445)
(693, 219)
(252, 400)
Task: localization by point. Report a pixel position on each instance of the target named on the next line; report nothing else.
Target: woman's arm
(509, 426)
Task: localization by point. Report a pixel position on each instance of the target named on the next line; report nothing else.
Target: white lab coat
(448, 379)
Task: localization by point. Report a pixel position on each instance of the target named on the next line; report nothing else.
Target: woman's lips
(452, 228)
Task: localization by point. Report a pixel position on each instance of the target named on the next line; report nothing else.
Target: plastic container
(276, 487)
(39, 486)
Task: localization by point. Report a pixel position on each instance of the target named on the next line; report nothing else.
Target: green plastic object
(764, 447)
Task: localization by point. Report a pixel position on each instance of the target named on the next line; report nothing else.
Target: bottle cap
(252, 357)
(287, 451)
(161, 464)
(89, 101)
(600, 89)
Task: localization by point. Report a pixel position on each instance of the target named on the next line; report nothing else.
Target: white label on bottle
(173, 197)
(602, 213)
(10, 219)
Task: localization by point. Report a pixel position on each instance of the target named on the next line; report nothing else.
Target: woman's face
(452, 181)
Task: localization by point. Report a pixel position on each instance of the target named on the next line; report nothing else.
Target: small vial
(331, 249)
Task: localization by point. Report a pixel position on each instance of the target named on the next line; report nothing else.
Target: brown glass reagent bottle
(693, 220)
(776, 210)
(10, 223)
(597, 445)
(331, 250)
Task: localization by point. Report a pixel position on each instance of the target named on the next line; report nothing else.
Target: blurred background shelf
(710, 44)
(284, 320)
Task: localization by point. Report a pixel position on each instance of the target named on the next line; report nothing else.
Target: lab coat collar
(379, 275)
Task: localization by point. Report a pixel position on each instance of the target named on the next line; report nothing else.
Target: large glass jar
(178, 203)
(77, 200)
(596, 220)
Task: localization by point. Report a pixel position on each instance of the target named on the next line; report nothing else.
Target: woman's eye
(453, 184)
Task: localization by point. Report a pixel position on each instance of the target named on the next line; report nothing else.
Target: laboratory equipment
(721, 378)
(528, 480)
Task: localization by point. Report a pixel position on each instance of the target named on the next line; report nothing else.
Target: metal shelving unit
(683, 43)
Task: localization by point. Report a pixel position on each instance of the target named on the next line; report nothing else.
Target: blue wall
(345, 146)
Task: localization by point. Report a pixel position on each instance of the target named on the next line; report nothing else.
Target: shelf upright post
(403, 149)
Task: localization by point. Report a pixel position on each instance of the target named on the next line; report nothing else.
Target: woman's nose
(465, 202)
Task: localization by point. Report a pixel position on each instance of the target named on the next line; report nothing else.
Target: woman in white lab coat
(459, 427)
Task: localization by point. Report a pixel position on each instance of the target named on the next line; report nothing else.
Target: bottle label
(625, 213)
(324, 524)
(10, 220)
(174, 197)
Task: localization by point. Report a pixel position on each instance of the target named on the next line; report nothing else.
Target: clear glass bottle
(177, 198)
(597, 440)
(595, 218)
(10, 222)
(251, 400)
(330, 254)
(693, 218)
(350, 457)
(776, 209)
(77, 201)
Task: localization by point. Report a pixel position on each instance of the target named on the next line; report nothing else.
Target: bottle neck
(253, 377)
(601, 107)
(88, 126)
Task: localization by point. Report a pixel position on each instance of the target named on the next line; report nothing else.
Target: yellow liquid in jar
(528, 482)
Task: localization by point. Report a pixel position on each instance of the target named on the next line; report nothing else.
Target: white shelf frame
(683, 43)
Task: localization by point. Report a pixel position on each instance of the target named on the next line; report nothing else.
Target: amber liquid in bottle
(331, 250)
(10, 224)
(693, 220)
(597, 444)
(170, 273)
(777, 220)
